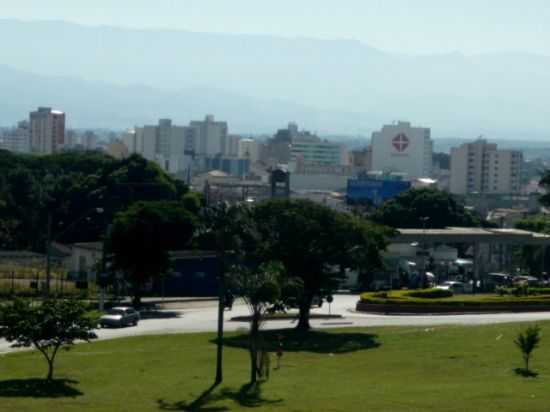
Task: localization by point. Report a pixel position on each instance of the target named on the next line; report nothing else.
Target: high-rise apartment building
(480, 167)
(210, 138)
(164, 143)
(403, 149)
(47, 131)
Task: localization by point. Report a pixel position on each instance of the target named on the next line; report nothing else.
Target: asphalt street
(202, 317)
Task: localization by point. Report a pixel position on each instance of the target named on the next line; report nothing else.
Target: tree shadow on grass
(310, 341)
(248, 396)
(526, 373)
(39, 388)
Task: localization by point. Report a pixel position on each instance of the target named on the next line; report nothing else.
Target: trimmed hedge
(430, 293)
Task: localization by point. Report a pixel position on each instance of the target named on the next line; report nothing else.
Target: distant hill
(345, 86)
(101, 105)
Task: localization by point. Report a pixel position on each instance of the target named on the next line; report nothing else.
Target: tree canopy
(314, 243)
(65, 186)
(430, 208)
(47, 326)
(142, 236)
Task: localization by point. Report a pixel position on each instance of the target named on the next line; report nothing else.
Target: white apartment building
(47, 130)
(404, 149)
(164, 143)
(481, 167)
(16, 139)
(210, 138)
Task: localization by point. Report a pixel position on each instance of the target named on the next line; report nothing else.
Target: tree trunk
(50, 370)
(136, 300)
(305, 306)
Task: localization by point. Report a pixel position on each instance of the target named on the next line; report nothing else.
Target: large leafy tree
(314, 243)
(411, 208)
(142, 236)
(49, 326)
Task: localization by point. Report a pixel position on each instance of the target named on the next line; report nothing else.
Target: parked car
(453, 286)
(120, 316)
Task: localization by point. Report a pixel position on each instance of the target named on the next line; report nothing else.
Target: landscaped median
(443, 301)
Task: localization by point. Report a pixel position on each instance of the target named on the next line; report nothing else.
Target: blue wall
(375, 191)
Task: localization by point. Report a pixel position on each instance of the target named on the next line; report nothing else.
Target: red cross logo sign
(400, 142)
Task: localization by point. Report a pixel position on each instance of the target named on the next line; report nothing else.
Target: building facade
(402, 148)
(249, 149)
(47, 131)
(317, 151)
(480, 167)
(210, 138)
(16, 139)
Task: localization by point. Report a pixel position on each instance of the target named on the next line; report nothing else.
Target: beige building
(481, 167)
(47, 131)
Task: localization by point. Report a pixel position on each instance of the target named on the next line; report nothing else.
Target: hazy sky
(411, 26)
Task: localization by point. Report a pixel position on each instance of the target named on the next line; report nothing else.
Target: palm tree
(527, 341)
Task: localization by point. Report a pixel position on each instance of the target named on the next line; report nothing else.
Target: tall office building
(481, 167)
(47, 131)
(403, 149)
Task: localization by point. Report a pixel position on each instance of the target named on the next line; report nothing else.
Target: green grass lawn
(381, 369)
(401, 297)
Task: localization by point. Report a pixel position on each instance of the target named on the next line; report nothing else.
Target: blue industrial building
(366, 190)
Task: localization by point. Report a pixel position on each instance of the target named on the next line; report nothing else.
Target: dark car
(120, 316)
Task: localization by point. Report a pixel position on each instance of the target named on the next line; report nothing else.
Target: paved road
(203, 318)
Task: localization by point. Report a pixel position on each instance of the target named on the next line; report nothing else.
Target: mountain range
(117, 77)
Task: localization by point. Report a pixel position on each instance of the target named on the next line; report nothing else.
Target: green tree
(49, 326)
(260, 288)
(314, 243)
(409, 209)
(527, 341)
(143, 235)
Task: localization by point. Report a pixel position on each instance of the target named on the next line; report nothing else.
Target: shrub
(430, 293)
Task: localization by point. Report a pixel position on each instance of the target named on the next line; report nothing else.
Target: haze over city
(463, 70)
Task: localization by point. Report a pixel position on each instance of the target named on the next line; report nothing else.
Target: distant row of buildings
(397, 151)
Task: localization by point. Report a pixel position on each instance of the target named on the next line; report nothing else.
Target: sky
(405, 26)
